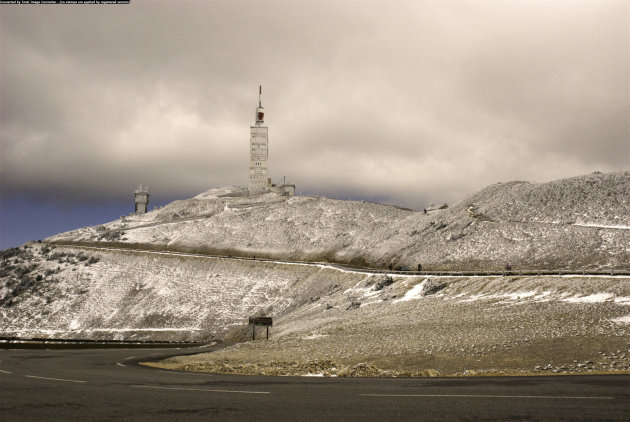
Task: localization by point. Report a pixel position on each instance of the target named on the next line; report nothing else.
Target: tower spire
(260, 111)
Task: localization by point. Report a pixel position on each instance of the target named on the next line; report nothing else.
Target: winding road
(364, 270)
(108, 384)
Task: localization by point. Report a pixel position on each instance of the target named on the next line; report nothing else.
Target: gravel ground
(445, 326)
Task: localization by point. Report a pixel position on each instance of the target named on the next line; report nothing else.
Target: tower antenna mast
(259, 94)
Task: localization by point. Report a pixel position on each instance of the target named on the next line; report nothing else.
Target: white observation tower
(258, 151)
(141, 198)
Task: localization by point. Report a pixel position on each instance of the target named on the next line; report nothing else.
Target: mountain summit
(573, 224)
(152, 276)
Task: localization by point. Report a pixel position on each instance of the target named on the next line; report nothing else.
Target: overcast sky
(411, 103)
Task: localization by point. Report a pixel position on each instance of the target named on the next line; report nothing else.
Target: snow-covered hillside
(577, 223)
(65, 292)
(64, 288)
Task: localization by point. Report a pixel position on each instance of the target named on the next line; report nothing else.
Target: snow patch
(364, 304)
(603, 226)
(507, 297)
(416, 292)
(542, 297)
(314, 336)
(622, 320)
(594, 298)
(546, 296)
(126, 330)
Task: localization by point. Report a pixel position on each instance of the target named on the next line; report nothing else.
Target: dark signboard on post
(262, 322)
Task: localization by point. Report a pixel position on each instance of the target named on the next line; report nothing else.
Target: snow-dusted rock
(577, 223)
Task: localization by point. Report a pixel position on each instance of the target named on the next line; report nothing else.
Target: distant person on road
(508, 267)
(419, 267)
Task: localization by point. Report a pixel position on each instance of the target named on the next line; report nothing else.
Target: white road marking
(120, 364)
(52, 379)
(5, 372)
(130, 357)
(201, 389)
(187, 373)
(488, 396)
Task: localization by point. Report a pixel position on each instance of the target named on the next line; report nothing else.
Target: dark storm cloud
(410, 102)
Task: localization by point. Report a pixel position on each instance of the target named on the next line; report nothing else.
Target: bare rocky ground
(446, 327)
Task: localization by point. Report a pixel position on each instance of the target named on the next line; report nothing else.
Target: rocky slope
(69, 292)
(414, 326)
(577, 223)
(72, 286)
